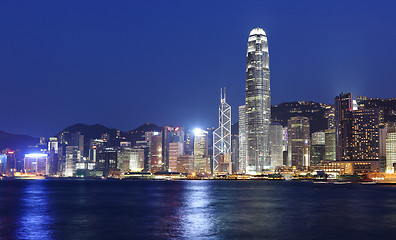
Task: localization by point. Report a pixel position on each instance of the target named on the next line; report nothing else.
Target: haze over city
(124, 63)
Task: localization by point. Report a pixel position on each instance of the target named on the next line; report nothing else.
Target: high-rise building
(10, 162)
(365, 134)
(201, 157)
(175, 150)
(170, 135)
(124, 156)
(330, 116)
(235, 151)
(73, 156)
(36, 163)
(107, 162)
(343, 124)
(95, 146)
(298, 142)
(242, 139)
(390, 150)
(318, 147)
(53, 155)
(276, 144)
(188, 142)
(185, 164)
(222, 138)
(383, 130)
(330, 145)
(155, 151)
(258, 101)
(285, 146)
(136, 163)
(3, 164)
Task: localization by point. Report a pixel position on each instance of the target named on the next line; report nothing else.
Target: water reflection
(198, 211)
(35, 218)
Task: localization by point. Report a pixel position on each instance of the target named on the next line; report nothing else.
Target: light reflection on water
(197, 212)
(194, 210)
(35, 218)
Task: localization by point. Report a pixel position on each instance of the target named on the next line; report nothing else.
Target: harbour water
(90, 209)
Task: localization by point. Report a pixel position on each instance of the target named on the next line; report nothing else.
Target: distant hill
(281, 113)
(138, 133)
(92, 131)
(16, 141)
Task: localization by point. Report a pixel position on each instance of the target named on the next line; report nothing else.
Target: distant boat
(342, 182)
(28, 177)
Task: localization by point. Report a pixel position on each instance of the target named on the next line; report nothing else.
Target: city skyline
(60, 58)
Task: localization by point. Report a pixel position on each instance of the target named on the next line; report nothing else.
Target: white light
(155, 133)
(35, 155)
(197, 131)
(257, 31)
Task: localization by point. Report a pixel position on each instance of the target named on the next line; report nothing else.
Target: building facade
(298, 142)
(276, 144)
(222, 138)
(242, 140)
(258, 101)
(201, 157)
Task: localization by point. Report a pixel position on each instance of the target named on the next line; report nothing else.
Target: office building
(258, 101)
(318, 147)
(276, 144)
(222, 138)
(365, 134)
(175, 150)
(298, 142)
(343, 124)
(390, 150)
(330, 145)
(35, 163)
(242, 139)
(154, 140)
(201, 157)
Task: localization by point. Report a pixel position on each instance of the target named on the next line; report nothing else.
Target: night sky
(124, 63)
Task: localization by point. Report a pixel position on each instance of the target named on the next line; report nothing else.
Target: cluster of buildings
(358, 137)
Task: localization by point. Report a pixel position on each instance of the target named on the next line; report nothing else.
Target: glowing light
(177, 129)
(155, 133)
(35, 155)
(11, 152)
(197, 131)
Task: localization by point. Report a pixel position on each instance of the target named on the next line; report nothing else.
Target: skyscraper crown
(257, 31)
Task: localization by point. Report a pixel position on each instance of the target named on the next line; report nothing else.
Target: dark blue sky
(123, 63)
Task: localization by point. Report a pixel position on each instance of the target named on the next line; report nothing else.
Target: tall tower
(258, 101)
(299, 142)
(242, 139)
(201, 158)
(343, 125)
(222, 138)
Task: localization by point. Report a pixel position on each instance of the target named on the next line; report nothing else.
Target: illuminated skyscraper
(365, 134)
(171, 135)
(299, 142)
(258, 101)
(222, 138)
(343, 124)
(330, 145)
(155, 151)
(36, 163)
(390, 150)
(175, 150)
(318, 147)
(201, 158)
(242, 139)
(73, 155)
(276, 144)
